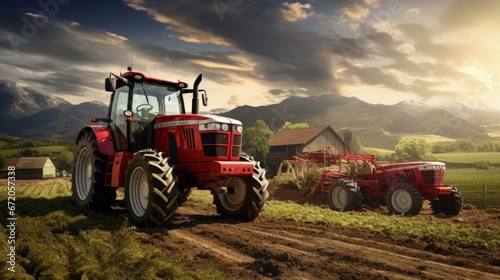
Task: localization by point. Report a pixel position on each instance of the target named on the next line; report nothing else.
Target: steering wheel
(143, 110)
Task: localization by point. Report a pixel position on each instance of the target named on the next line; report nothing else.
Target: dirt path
(289, 250)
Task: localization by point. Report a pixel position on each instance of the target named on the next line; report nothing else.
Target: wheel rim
(236, 194)
(401, 201)
(83, 174)
(339, 197)
(139, 191)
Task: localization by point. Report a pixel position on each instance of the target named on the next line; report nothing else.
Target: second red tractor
(355, 179)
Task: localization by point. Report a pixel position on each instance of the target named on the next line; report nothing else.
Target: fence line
(484, 198)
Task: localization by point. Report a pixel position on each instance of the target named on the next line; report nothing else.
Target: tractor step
(109, 172)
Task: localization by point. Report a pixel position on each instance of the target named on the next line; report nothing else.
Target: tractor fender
(104, 138)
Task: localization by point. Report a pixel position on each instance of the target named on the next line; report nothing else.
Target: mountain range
(377, 125)
(29, 112)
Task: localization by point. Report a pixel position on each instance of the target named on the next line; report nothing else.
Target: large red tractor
(158, 152)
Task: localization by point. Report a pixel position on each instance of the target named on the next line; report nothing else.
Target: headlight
(215, 126)
(237, 128)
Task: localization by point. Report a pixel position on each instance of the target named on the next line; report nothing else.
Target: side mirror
(204, 98)
(110, 84)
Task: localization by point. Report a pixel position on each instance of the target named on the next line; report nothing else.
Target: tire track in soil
(223, 253)
(289, 250)
(286, 257)
(391, 260)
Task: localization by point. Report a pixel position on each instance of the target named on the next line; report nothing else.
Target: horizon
(258, 54)
(411, 102)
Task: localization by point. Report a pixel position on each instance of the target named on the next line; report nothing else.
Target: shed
(295, 142)
(32, 168)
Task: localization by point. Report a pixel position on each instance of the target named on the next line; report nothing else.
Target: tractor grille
(431, 177)
(214, 138)
(215, 144)
(188, 134)
(236, 146)
(215, 151)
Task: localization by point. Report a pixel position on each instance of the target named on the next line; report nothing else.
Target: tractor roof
(133, 74)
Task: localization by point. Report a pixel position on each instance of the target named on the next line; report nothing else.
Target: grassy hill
(377, 125)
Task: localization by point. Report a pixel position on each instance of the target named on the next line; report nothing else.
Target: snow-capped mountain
(19, 100)
(29, 112)
(411, 103)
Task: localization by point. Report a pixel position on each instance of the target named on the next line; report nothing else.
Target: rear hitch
(222, 190)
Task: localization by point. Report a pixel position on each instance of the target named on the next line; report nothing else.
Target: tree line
(466, 145)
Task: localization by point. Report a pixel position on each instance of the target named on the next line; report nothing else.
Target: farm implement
(355, 179)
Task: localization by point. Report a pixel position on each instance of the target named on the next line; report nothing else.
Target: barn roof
(28, 162)
(298, 136)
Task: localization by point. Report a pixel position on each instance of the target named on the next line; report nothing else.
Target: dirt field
(277, 249)
(288, 250)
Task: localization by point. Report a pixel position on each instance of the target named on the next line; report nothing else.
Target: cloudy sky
(258, 52)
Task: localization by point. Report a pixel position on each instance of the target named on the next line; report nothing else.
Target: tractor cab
(136, 101)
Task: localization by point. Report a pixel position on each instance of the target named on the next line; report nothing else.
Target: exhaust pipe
(195, 106)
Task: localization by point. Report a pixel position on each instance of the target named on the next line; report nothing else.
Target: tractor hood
(192, 119)
(421, 165)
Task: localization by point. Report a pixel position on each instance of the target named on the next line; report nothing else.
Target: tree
(290, 125)
(30, 153)
(64, 160)
(256, 140)
(356, 144)
(465, 145)
(3, 161)
(413, 149)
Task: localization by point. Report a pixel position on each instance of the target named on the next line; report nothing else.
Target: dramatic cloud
(58, 57)
(281, 54)
(296, 11)
(260, 52)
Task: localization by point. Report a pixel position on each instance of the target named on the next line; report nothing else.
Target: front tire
(246, 197)
(448, 204)
(150, 189)
(403, 198)
(89, 171)
(344, 195)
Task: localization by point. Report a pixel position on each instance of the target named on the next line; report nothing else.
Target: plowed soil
(279, 249)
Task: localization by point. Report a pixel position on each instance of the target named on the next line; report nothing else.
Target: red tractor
(354, 179)
(157, 152)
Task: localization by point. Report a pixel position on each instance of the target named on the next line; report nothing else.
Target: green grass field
(472, 157)
(470, 181)
(58, 240)
(43, 150)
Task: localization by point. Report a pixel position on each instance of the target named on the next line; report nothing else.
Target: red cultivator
(355, 179)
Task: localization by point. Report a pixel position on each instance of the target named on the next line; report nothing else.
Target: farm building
(295, 142)
(31, 168)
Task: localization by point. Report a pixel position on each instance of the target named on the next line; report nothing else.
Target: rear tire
(403, 198)
(344, 195)
(89, 172)
(448, 204)
(150, 189)
(183, 196)
(246, 196)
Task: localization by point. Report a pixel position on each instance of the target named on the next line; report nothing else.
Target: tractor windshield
(156, 99)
